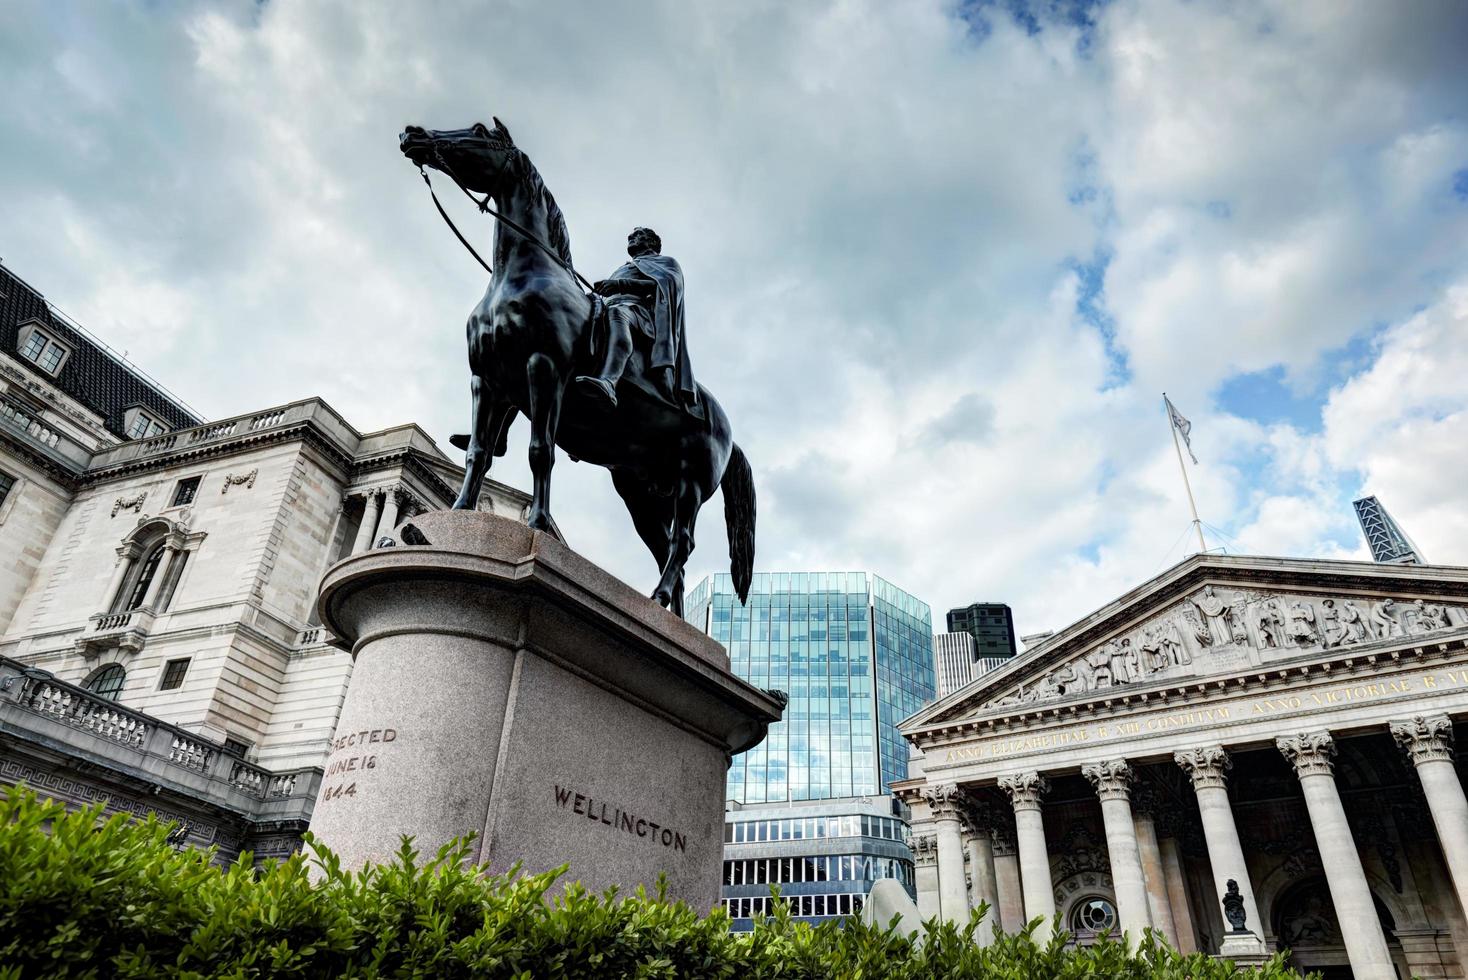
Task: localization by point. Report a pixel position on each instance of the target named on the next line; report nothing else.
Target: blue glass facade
(854, 653)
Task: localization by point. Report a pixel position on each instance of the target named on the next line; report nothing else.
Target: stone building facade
(1244, 754)
(159, 647)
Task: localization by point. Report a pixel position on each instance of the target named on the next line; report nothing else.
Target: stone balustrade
(111, 621)
(33, 702)
(217, 431)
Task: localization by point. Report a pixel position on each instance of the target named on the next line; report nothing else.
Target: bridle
(484, 208)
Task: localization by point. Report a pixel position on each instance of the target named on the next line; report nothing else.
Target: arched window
(148, 569)
(1091, 915)
(106, 681)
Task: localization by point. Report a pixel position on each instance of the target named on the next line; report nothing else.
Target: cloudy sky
(942, 258)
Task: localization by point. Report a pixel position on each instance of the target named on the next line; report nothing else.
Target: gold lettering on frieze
(1001, 747)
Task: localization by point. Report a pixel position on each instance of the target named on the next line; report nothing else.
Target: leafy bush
(80, 897)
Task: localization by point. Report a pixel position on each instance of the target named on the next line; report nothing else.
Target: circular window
(1093, 915)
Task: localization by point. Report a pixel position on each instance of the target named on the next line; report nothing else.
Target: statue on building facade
(604, 376)
(1233, 906)
(1215, 611)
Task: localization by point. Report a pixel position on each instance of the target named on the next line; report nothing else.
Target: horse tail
(738, 486)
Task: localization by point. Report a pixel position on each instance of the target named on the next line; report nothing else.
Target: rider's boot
(602, 387)
(598, 389)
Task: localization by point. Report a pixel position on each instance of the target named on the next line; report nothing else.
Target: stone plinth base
(506, 686)
(1244, 948)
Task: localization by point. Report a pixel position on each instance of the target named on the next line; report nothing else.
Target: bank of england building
(159, 647)
(1245, 754)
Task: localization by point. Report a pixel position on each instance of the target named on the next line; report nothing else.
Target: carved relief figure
(1434, 616)
(1302, 623)
(1384, 622)
(1331, 631)
(1119, 657)
(1084, 679)
(1216, 612)
(1177, 651)
(1149, 645)
(1239, 621)
(1100, 661)
(1264, 626)
(1353, 624)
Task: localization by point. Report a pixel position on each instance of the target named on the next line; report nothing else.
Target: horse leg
(689, 499)
(544, 382)
(652, 515)
(481, 442)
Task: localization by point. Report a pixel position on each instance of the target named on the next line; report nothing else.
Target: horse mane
(555, 219)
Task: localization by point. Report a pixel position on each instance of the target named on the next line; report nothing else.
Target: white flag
(1183, 427)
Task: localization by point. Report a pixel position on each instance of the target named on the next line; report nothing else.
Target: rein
(484, 208)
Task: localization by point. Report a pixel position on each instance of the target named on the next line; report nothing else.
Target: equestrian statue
(605, 375)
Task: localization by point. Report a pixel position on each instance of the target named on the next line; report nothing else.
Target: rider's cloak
(669, 348)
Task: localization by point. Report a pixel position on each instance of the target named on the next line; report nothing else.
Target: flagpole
(1197, 524)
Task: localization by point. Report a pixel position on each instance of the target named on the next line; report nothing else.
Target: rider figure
(644, 296)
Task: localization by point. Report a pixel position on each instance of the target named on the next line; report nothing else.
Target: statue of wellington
(644, 298)
(604, 375)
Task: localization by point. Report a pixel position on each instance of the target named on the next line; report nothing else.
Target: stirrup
(598, 388)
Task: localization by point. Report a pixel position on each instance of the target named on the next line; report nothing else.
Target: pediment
(1202, 621)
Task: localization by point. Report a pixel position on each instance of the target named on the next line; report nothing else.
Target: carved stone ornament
(1426, 738)
(1311, 753)
(944, 799)
(130, 503)
(246, 480)
(1025, 789)
(1112, 778)
(924, 849)
(1233, 907)
(1207, 766)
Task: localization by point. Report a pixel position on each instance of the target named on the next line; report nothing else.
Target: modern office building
(809, 808)
(954, 663)
(991, 624)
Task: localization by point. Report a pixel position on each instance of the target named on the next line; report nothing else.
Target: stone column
(1311, 753)
(126, 555)
(1011, 913)
(944, 800)
(370, 505)
(1177, 895)
(155, 585)
(1208, 768)
(1113, 780)
(1429, 741)
(980, 844)
(1154, 876)
(391, 499)
(925, 875)
(1025, 790)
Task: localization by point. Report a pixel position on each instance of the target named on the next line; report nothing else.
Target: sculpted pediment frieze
(1219, 629)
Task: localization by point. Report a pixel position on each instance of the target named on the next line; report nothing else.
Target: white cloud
(879, 208)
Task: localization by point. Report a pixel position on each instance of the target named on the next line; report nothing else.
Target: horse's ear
(499, 127)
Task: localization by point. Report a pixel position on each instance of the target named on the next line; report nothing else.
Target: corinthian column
(1208, 768)
(980, 844)
(943, 801)
(1429, 741)
(1025, 790)
(391, 500)
(1312, 753)
(1113, 780)
(365, 530)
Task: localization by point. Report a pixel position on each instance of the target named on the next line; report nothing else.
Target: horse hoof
(539, 523)
(663, 598)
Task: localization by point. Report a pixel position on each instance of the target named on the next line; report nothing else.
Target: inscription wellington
(619, 819)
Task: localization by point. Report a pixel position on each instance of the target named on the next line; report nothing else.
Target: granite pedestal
(504, 685)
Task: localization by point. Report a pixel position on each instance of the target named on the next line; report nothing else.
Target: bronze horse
(531, 335)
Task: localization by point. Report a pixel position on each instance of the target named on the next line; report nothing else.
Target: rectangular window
(173, 674)
(139, 427)
(7, 483)
(186, 492)
(35, 345)
(235, 747)
(51, 360)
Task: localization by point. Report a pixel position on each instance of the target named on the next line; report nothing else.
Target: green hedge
(80, 897)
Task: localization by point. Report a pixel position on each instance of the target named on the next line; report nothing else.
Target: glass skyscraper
(855, 655)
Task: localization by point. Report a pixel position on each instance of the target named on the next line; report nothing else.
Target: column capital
(1312, 753)
(1112, 778)
(1024, 789)
(1427, 738)
(924, 849)
(945, 800)
(978, 818)
(1208, 766)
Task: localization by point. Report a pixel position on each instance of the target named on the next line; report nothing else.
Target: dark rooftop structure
(91, 373)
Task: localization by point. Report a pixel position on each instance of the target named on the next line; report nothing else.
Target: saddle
(635, 375)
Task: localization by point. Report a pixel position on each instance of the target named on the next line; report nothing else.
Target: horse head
(475, 157)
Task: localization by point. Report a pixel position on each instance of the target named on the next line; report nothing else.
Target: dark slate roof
(92, 375)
